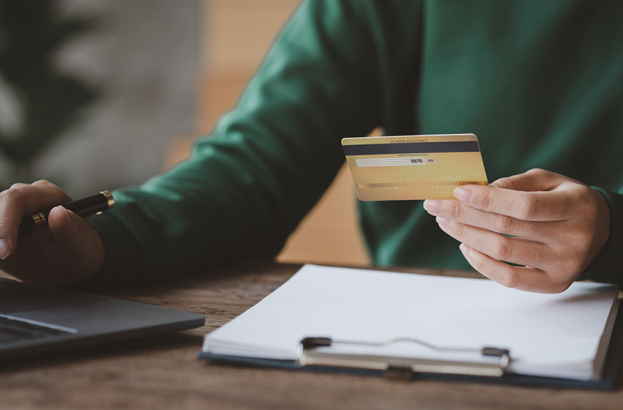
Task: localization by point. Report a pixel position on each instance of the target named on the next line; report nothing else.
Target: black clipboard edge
(608, 381)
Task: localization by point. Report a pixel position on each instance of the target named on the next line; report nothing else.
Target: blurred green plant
(40, 103)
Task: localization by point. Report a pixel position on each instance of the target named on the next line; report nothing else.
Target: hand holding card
(549, 226)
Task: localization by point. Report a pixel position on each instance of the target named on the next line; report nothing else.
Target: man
(538, 82)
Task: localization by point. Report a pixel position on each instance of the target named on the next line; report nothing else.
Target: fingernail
(463, 194)
(443, 222)
(432, 206)
(5, 249)
(465, 249)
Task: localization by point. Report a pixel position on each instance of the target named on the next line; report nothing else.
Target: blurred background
(99, 94)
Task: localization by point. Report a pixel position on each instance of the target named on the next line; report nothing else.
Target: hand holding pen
(84, 207)
(70, 250)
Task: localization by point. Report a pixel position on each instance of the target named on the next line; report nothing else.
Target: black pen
(84, 207)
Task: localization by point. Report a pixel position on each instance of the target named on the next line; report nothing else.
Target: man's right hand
(69, 251)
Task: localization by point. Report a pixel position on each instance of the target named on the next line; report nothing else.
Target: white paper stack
(562, 335)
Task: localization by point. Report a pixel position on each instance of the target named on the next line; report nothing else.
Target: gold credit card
(414, 166)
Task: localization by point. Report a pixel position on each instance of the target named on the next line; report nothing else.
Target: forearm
(246, 188)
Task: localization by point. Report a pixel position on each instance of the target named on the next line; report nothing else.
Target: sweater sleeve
(248, 185)
(607, 267)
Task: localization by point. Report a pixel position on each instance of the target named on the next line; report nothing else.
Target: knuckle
(485, 201)
(569, 263)
(537, 172)
(528, 255)
(504, 224)
(529, 208)
(575, 263)
(501, 249)
(11, 205)
(586, 200)
(510, 279)
(566, 264)
(581, 240)
(456, 210)
(10, 195)
(43, 182)
(456, 229)
(507, 182)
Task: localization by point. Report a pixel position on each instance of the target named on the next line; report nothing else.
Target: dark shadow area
(133, 347)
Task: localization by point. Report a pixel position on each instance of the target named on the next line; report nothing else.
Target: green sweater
(539, 82)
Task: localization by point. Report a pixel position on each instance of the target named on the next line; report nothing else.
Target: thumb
(70, 232)
(79, 248)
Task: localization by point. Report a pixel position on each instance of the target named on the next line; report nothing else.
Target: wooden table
(162, 372)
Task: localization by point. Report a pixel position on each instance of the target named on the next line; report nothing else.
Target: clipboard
(609, 381)
(315, 355)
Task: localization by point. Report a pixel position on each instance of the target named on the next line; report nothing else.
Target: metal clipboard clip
(312, 352)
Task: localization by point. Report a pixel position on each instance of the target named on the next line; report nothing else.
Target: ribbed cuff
(607, 267)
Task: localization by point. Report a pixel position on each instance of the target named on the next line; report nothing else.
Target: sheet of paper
(549, 335)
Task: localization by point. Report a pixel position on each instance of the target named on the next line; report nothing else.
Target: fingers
(457, 211)
(500, 247)
(69, 251)
(21, 200)
(517, 277)
(536, 195)
(527, 206)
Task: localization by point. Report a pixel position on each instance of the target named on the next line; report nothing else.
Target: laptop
(35, 319)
